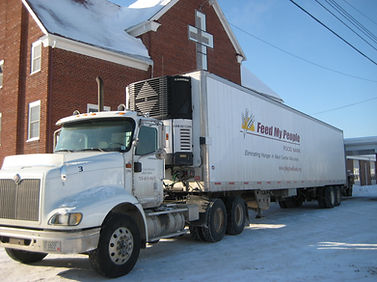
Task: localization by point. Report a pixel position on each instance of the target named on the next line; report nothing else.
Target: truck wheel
(338, 195)
(118, 247)
(236, 216)
(25, 256)
(216, 221)
(329, 197)
(349, 191)
(196, 233)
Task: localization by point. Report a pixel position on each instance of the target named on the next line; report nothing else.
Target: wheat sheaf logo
(248, 121)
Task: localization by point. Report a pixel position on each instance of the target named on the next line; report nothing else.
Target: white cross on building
(202, 38)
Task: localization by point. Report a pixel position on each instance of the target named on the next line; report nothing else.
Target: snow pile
(97, 22)
(364, 191)
(250, 81)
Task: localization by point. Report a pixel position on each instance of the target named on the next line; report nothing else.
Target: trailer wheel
(326, 197)
(236, 216)
(25, 256)
(349, 191)
(217, 221)
(118, 247)
(338, 195)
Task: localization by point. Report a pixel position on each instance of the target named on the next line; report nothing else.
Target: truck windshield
(96, 135)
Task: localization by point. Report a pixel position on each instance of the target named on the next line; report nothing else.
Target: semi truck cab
(106, 175)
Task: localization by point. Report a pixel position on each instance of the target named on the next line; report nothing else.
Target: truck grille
(19, 201)
(185, 138)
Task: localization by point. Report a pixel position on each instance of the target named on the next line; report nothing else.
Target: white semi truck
(190, 154)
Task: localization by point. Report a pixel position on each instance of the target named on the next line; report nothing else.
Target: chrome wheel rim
(121, 245)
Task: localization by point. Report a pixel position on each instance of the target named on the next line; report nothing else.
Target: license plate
(52, 246)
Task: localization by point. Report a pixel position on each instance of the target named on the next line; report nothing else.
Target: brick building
(51, 52)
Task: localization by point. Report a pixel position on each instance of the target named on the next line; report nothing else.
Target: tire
(326, 197)
(236, 216)
(349, 191)
(25, 256)
(118, 247)
(216, 222)
(283, 204)
(338, 195)
(196, 233)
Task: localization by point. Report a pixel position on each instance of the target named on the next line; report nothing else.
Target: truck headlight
(66, 219)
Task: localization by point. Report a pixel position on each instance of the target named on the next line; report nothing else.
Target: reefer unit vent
(166, 97)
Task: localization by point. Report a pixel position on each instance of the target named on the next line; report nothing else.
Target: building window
(34, 120)
(1, 73)
(92, 108)
(36, 56)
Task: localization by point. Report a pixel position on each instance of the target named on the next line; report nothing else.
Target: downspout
(100, 93)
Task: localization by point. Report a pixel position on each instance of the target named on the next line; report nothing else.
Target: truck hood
(50, 161)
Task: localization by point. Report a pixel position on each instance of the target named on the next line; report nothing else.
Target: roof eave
(142, 28)
(35, 17)
(128, 60)
(228, 31)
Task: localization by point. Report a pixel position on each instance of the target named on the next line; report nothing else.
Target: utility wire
(367, 42)
(333, 32)
(345, 106)
(353, 21)
(301, 58)
(361, 13)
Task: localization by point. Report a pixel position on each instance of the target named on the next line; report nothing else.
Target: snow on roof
(249, 80)
(97, 22)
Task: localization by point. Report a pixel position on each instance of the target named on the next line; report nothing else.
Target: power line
(333, 32)
(361, 13)
(345, 24)
(301, 58)
(346, 106)
(353, 21)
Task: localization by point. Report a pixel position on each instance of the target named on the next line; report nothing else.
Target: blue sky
(304, 86)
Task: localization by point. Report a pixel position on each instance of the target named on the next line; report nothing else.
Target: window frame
(137, 151)
(1, 73)
(37, 44)
(30, 122)
(1, 121)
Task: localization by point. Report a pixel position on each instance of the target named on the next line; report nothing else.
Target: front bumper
(55, 242)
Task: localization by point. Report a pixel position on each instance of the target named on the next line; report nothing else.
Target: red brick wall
(73, 84)
(35, 88)
(172, 51)
(14, 22)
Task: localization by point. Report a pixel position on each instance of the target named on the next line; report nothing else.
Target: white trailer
(193, 154)
(251, 142)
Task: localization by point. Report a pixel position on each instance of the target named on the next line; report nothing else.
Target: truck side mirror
(137, 167)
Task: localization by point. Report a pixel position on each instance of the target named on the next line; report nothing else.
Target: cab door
(149, 167)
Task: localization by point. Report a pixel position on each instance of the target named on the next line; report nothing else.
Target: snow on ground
(303, 244)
